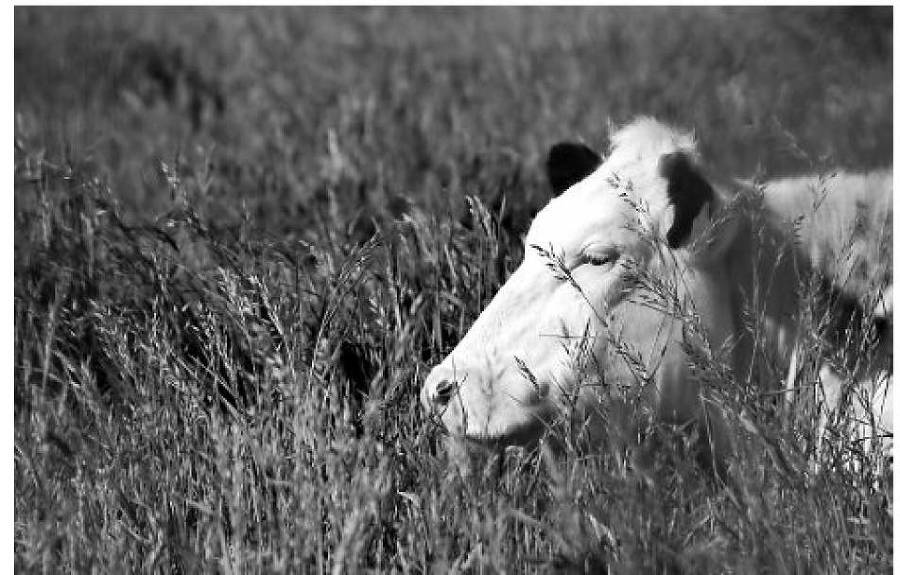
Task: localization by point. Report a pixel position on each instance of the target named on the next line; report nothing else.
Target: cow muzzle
(481, 407)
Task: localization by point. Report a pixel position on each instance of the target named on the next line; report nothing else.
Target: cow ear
(689, 193)
(568, 164)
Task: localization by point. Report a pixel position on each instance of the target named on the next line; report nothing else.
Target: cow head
(575, 311)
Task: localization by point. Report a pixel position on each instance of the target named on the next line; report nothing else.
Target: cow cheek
(572, 341)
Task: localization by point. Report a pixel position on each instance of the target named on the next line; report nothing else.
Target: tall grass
(237, 258)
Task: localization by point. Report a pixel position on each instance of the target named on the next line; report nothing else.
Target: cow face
(575, 312)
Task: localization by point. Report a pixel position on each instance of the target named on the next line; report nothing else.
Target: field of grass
(243, 237)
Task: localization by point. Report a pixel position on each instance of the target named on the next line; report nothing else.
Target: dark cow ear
(688, 192)
(568, 164)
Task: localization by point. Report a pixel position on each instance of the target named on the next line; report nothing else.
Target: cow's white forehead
(648, 138)
(631, 168)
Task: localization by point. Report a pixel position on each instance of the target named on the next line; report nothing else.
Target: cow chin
(486, 453)
(522, 434)
(507, 421)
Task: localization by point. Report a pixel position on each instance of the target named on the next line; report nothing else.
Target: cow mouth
(516, 422)
(525, 435)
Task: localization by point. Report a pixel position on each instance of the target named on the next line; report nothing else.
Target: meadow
(243, 237)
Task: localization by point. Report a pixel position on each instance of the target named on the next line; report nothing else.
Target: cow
(641, 261)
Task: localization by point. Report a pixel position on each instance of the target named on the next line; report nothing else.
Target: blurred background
(281, 107)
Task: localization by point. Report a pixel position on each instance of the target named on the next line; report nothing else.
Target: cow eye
(602, 258)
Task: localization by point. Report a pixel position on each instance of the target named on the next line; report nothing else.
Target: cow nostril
(443, 391)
